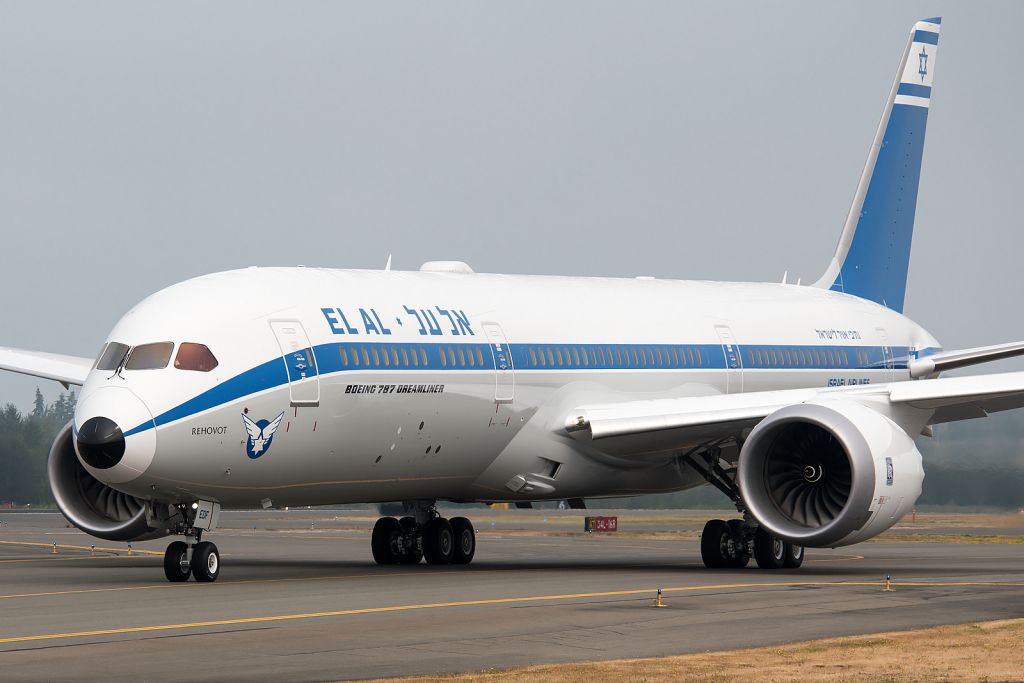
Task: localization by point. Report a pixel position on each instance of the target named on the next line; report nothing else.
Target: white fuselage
(438, 385)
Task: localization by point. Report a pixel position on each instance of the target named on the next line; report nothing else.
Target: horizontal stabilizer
(64, 369)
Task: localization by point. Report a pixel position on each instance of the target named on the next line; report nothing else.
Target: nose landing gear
(424, 535)
(193, 556)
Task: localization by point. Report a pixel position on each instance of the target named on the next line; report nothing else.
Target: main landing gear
(424, 535)
(732, 543)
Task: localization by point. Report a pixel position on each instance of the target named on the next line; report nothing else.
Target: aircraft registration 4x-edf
(308, 386)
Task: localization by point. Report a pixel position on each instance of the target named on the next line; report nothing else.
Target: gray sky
(145, 143)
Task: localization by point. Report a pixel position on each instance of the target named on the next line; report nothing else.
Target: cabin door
(733, 361)
(299, 361)
(504, 372)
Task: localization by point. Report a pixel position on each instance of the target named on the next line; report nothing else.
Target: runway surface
(299, 597)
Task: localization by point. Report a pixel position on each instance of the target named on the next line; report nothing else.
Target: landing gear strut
(733, 543)
(193, 556)
(425, 534)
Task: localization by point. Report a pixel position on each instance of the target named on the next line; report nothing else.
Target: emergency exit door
(504, 372)
(299, 361)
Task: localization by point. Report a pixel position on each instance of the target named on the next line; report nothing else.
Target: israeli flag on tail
(873, 255)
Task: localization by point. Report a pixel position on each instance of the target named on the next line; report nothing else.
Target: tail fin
(873, 254)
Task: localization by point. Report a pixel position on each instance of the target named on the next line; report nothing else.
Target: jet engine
(91, 505)
(829, 473)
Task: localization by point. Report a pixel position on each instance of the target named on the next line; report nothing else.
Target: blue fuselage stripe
(412, 357)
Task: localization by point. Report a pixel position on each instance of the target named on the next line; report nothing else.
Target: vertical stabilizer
(873, 254)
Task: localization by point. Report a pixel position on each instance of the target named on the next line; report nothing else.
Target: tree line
(25, 440)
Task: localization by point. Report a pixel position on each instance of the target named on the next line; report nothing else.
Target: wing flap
(64, 369)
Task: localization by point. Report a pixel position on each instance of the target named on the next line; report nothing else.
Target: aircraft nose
(101, 442)
(114, 434)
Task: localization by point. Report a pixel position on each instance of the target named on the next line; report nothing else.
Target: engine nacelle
(91, 505)
(829, 473)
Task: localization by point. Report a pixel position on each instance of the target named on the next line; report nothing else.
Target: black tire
(384, 540)
(465, 540)
(769, 551)
(714, 542)
(205, 562)
(794, 556)
(438, 541)
(741, 553)
(172, 562)
(412, 552)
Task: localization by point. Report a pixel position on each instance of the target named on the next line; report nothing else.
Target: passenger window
(593, 356)
(469, 357)
(423, 357)
(451, 356)
(700, 361)
(414, 358)
(650, 355)
(462, 357)
(583, 353)
(405, 357)
(384, 353)
(196, 357)
(551, 358)
(533, 357)
(376, 357)
(355, 357)
(341, 351)
(111, 356)
(394, 356)
(576, 356)
(444, 359)
(149, 356)
(479, 357)
(558, 355)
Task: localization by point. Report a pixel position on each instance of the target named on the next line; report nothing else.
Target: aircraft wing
(951, 360)
(67, 370)
(648, 426)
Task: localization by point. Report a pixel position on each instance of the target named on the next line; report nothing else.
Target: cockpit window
(149, 356)
(193, 356)
(111, 356)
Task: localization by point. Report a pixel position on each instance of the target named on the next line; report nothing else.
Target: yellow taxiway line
(487, 601)
(124, 550)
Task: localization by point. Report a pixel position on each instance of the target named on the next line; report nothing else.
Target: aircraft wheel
(205, 562)
(176, 569)
(384, 540)
(794, 556)
(769, 551)
(740, 556)
(465, 540)
(438, 541)
(412, 549)
(714, 544)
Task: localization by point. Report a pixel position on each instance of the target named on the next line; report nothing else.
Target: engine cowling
(829, 473)
(91, 505)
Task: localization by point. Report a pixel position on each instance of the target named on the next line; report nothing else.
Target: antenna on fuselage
(387, 266)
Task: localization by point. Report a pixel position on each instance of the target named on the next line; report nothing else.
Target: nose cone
(114, 434)
(100, 443)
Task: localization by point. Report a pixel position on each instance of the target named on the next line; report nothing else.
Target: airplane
(273, 387)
